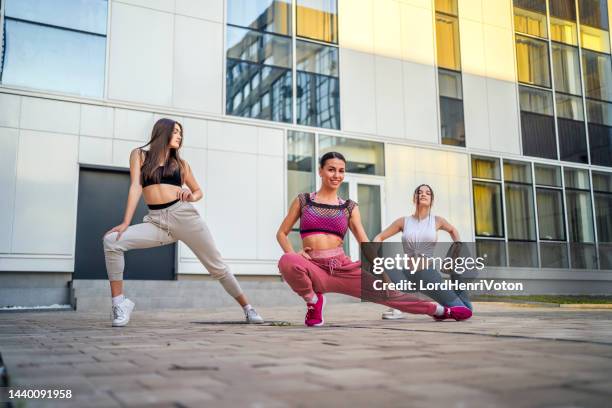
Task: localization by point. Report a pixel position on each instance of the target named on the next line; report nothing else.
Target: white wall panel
(270, 205)
(195, 133)
(197, 161)
(271, 141)
(498, 13)
(45, 199)
(471, 9)
(476, 111)
(133, 125)
(162, 5)
(93, 150)
(49, 115)
(208, 9)
(9, 139)
(232, 137)
(121, 152)
(140, 64)
(387, 29)
(420, 103)
(231, 209)
(96, 121)
(503, 116)
(10, 108)
(358, 91)
(198, 65)
(389, 97)
(355, 25)
(499, 53)
(417, 34)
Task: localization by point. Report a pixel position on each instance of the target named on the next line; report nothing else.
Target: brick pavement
(505, 356)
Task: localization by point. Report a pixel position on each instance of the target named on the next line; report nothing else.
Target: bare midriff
(319, 242)
(160, 193)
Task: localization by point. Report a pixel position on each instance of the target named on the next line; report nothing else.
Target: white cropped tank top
(419, 236)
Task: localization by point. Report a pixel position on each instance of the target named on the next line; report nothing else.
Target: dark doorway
(102, 198)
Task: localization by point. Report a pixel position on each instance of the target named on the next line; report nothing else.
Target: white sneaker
(121, 313)
(252, 317)
(392, 314)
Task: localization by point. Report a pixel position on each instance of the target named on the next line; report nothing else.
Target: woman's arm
(194, 193)
(356, 226)
(444, 225)
(285, 228)
(134, 193)
(391, 230)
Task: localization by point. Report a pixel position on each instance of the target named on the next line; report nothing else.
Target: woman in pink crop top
(321, 266)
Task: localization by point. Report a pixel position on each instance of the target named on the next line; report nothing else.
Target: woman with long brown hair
(158, 174)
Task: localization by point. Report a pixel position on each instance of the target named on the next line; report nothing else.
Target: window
(602, 191)
(56, 46)
(600, 132)
(318, 20)
(318, 85)
(532, 60)
(551, 224)
(563, 21)
(566, 66)
(537, 122)
(594, 13)
(530, 17)
(597, 75)
(259, 45)
(363, 157)
(580, 219)
(449, 74)
(488, 215)
(520, 214)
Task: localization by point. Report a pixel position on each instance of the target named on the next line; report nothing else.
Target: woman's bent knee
(109, 241)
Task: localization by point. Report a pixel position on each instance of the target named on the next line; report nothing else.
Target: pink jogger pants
(333, 271)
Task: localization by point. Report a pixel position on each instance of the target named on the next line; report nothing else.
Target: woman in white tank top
(419, 235)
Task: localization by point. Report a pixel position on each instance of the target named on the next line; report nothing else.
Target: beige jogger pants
(181, 221)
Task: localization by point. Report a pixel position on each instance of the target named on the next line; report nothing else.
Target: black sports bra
(174, 178)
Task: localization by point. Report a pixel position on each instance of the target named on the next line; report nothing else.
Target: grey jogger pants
(180, 221)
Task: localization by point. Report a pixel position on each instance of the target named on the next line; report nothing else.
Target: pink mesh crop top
(318, 218)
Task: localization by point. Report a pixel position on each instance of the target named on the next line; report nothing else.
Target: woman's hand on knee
(119, 229)
(304, 253)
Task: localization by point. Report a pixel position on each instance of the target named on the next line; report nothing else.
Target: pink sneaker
(314, 315)
(455, 312)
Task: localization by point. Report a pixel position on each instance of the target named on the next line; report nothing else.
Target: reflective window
(530, 18)
(569, 107)
(533, 5)
(486, 168)
(452, 121)
(254, 46)
(600, 142)
(55, 59)
(564, 9)
(364, 157)
(599, 112)
(532, 61)
(447, 6)
(553, 255)
(594, 13)
(546, 175)
(602, 191)
(318, 19)
(597, 75)
(520, 214)
(82, 15)
(580, 218)
(488, 209)
(515, 171)
(566, 66)
(595, 39)
(495, 251)
(318, 93)
(537, 123)
(447, 39)
(563, 31)
(576, 178)
(523, 254)
(269, 100)
(450, 84)
(550, 214)
(273, 16)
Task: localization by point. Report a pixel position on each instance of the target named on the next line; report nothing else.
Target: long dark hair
(331, 155)
(158, 147)
(415, 197)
